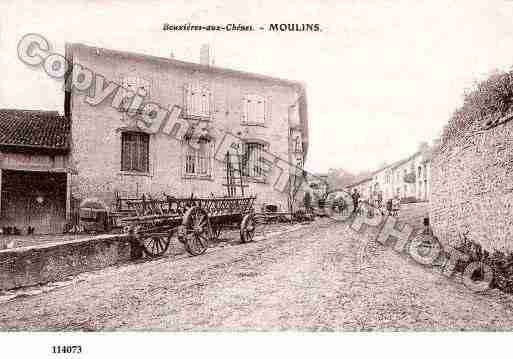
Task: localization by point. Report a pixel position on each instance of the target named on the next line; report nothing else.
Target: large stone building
(110, 154)
(407, 178)
(472, 185)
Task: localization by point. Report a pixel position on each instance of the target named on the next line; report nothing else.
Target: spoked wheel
(198, 231)
(156, 245)
(247, 228)
(216, 232)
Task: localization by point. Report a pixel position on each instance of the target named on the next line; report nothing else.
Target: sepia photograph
(274, 168)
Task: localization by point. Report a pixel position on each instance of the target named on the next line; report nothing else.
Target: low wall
(472, 188)
(26, 266)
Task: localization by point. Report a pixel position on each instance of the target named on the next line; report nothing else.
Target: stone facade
(472, 187)
(96, 147)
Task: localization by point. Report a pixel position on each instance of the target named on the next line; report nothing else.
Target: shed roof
(34, 129)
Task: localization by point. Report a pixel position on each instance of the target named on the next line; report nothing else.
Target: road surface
(318, 278)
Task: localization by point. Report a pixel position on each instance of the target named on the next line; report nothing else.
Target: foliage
(491, 97)
(500, 263)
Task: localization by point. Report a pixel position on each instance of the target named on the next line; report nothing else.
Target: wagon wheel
(216, 231)
(247, 228)
(198, 231)
(156, 245)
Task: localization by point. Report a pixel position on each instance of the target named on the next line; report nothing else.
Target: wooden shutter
(125, 155)
(205, 103)
(260, 110)
(245, 109)
(135, 152)
(143, 152)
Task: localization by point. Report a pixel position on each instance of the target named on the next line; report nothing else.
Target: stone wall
(472, 187)
(26, 266)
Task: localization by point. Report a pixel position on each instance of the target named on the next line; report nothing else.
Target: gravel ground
(320, 277)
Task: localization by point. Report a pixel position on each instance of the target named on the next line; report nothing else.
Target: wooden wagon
(195, 221)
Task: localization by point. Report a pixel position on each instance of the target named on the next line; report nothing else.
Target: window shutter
(188, 98)
(205, 103)
(145, 166)
(125, 155)
(245, 107)
(260, 110)
(252, 110)
(135, 152)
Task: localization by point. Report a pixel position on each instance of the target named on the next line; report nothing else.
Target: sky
(381, 76)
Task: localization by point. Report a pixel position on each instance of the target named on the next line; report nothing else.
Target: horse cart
(195, 221)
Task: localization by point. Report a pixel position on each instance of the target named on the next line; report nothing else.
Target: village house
(407, 178)
(109, 154)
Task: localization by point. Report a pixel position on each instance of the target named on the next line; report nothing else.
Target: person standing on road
(356, 200)
(395, 206)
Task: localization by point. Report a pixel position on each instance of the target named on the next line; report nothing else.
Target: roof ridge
(194, 64)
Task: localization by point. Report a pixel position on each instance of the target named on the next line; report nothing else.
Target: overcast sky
(381, 77)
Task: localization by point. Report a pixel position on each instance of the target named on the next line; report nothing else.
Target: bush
(491, 97)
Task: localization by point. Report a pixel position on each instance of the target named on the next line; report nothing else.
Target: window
(135, 152)
(419, 171)
(251, 163)
(297, 144)
(254, 109)
(197, 101)
(137, 85)
(198, 159)
(134, 85)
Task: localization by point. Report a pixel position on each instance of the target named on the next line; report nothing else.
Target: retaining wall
(472, 187)
(26, 266)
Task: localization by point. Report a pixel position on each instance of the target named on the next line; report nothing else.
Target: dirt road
(317, 278)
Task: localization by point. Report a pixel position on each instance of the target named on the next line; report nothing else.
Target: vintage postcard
(270, 166)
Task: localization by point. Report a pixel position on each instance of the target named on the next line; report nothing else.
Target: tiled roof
(37, 129)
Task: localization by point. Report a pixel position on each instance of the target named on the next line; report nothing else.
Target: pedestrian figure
(356, 200)
(395, 206)
(389, 206)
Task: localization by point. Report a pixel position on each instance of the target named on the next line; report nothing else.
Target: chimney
(205, 54)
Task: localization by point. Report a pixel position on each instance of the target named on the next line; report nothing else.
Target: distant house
(408, 177)
(34, 170)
